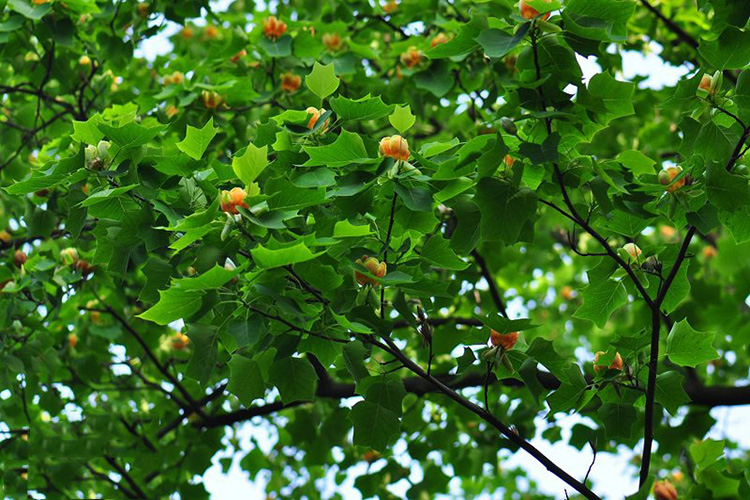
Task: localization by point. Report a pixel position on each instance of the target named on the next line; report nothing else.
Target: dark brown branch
(494, 290)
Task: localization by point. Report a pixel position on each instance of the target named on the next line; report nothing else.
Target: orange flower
(668, 232)
(232, 199)
(175, 78)
(412, 57)
(667, 175)
(72, 340)
(239, 55)
(505, 340)
(4, 236)
(395, 146)
(314, 118)
(171, 110)
(509, 161)
(390, 7)
(186, 32)
(438, 39)
(616, 363)
(211, 99)
(664, 490)
(566, 292)
(273, 28)
(332, 41)
(709, 252)
(84, 60)
(180, 341)
(212, 32)
(143, 9)
(374, 267)
(290, 82)
(528, 12)
(20, 257)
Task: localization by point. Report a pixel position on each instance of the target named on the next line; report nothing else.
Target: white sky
(612, 476)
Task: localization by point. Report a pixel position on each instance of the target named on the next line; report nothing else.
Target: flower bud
(668, 175)
(664, 490)
(332, 41)
(103, 150)
(211, 99)
(84, 60)
(509, 126)
(72, 340)
(438, 39)
(19, 257)
(5, 236)
(412, 57)
(69, 256)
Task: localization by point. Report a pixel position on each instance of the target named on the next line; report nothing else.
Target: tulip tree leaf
(688, 347)
(322, 81)
(249, 165)
(402, 118)
(197, 139)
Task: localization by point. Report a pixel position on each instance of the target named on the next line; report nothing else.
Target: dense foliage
(366, 224)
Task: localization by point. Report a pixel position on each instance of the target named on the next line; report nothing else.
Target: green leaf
(618, 419)
(384, 390)
(250, 165)
(436, 251)
(245, 379)
(498, 43)
(353, 355)
(131, 134)
(345, 229)
(277, 48)
(541, 153)
(543, 351)
(366, 108)
(204, 341)
(25, 8)
(295, 379)
(608, 97)
(197, 140)
(706, 453)
(88, 132)
(322, 80)
(214, 278)
(505, 209)
(417, 199)
(670, 392)
(268, 258)
(402, 118)
(730, 51)
(636, 162)
(600, 299)
(603, 20)
(688, 347)
(348, 148)
(374, 425)
(173, 305)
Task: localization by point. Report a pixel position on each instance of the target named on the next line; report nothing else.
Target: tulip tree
(314, 222)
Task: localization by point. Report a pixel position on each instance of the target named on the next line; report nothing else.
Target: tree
(419, 205)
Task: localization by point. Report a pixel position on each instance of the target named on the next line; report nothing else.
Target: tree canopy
(362, 225)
